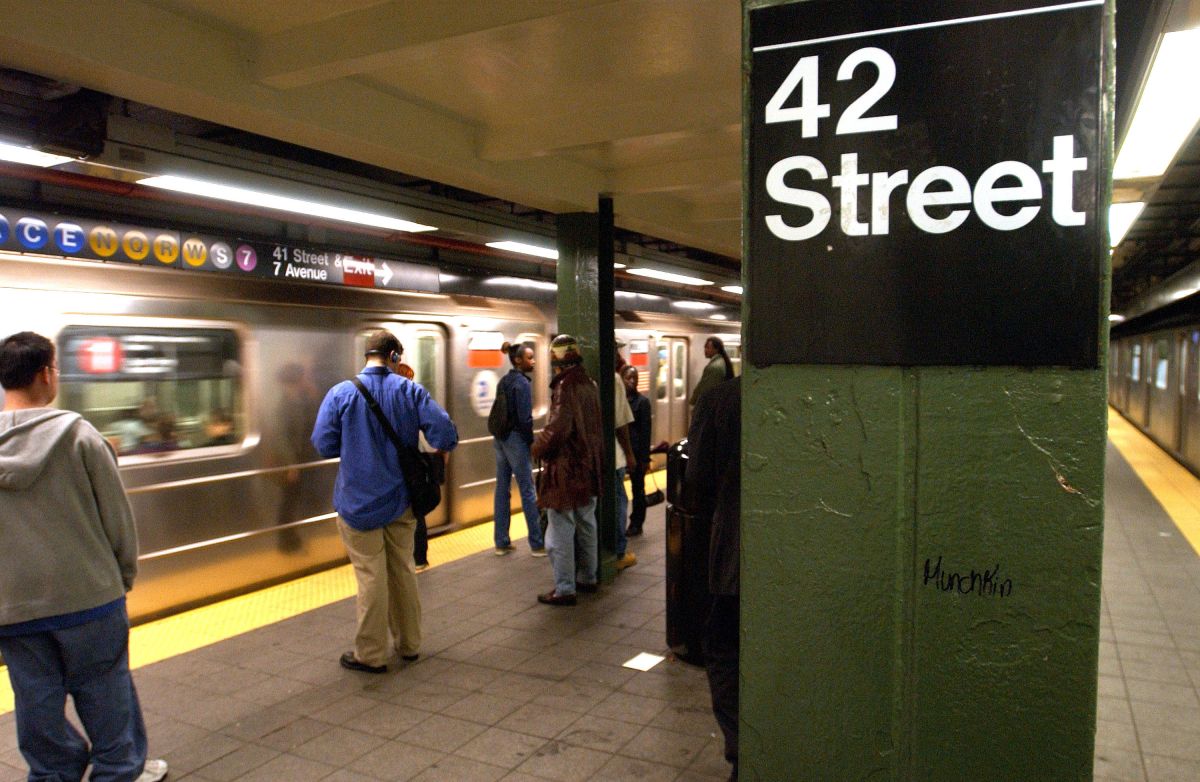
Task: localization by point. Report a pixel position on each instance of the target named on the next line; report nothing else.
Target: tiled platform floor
(506, 689)
(1149, 687)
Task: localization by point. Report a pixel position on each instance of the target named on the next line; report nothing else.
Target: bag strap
(406, 454)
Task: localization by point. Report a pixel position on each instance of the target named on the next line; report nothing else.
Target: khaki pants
(387, 589)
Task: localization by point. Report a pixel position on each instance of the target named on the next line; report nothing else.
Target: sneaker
(538, 552)
(629, 560)
(153, 771)
(502, 551)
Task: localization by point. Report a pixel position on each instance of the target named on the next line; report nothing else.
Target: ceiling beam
(678, 175)
(590, 124)
(372, 38)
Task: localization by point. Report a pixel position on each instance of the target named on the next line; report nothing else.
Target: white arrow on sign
(387, 273)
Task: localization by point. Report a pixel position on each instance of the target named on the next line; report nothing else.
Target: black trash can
(688, 598)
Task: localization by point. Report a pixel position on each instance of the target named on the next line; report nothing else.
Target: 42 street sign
(925, 183)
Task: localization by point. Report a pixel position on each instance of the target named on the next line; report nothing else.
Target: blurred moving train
(1154, 366)
(207, 386)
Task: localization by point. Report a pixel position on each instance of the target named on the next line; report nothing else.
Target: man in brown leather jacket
(571, 449)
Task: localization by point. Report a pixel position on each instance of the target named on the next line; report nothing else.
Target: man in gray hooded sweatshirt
(69, 555)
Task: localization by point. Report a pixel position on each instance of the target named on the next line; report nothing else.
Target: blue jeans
(560, 545)
(91, 663)
(622, 513)
(512, 459)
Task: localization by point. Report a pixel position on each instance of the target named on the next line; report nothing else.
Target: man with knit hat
(571, 449)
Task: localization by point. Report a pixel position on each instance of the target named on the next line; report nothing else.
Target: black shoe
(409, 658)
(352, 663)
(633, 532)
(555, 599)
(589, 588)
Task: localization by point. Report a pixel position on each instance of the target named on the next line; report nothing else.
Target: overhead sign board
(926, 180)
(103, 240)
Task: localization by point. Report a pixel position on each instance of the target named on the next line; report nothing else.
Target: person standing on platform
(622, 418)
(511, 444)
(69, 556)
(718, 369)
(421, 534)
(712, 486)
(571, 449)
(639, 438)
(370, 496)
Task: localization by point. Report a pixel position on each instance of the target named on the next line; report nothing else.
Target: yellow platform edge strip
(1173, 485)
(165, 638)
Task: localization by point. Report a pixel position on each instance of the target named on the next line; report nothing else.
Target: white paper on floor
(644, 661)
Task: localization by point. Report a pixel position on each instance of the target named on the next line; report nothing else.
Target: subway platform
(507, 689)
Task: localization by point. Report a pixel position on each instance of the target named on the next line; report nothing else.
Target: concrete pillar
(920, 566)
(585, 310)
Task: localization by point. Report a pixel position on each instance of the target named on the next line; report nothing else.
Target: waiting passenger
(571, 449)
(622, 418)
(375, 517)
(639, 438)
(718, 369)
(712, 486)
(69, 556)
(511, 442)
(421, 534)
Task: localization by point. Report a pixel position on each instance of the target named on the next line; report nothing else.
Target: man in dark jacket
(512, 453)
(639, 435)
(712, 486)
(571, 448)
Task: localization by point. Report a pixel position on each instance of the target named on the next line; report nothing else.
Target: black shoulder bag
(423, 472)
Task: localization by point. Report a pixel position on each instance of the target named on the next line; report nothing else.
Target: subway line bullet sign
(925, 183)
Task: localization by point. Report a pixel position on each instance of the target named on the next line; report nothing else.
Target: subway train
(1154, 366)
(207, 387)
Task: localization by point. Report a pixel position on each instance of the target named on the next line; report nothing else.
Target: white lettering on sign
(939, 188)
(1009, 181)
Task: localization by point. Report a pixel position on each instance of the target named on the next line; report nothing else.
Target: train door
(1181, 362)
(671, 389)
(1137, 388)
(1190, 410)
(425, 351)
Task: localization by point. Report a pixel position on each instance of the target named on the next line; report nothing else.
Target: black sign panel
(100, 240)
(925, 183)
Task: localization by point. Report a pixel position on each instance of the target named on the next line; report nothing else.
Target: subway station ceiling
(539, 103)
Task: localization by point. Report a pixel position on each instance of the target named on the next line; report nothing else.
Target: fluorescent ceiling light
(1167, 110)
(1115, 318)
(519, 282)
(525, 249)
(1183, 294)
(632, 295)
(282, 203)
(682, 279)
(618, 266)
(718, 316)
(1121, 218)
(30, 157)
(732, 289)
(694, 305)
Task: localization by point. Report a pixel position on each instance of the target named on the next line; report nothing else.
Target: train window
(1135, 363)
(735, 357)
(154, 390)
(660, 382)
(1162, 363)
(679, 359)
(425, 362)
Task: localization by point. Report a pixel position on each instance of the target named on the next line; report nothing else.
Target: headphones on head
(394, 357)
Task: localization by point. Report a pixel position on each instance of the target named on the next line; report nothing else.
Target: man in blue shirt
(512, 452)
(374, 514)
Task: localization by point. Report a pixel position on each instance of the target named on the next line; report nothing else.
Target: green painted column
(920, 569)
(585, 310)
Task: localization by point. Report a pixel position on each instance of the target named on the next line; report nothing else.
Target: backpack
(499, 420)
